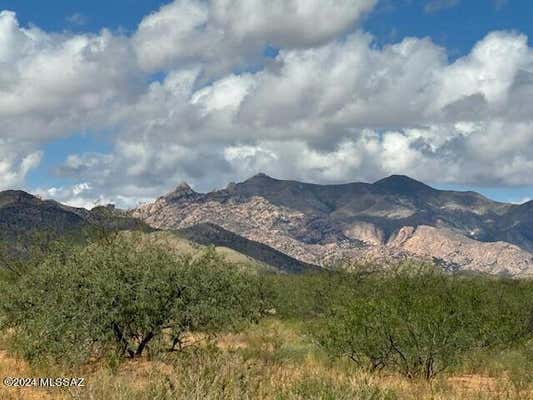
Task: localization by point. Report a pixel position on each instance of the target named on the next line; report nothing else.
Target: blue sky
(458, 25)
(57, 151)
(455, 26)
(82, 15)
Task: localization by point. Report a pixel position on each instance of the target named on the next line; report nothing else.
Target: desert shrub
(310, 296)
(120, 294)
(421, 323)
(216, 295)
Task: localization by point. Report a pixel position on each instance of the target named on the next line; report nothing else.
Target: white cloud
(332, 106)
(338, 112)
(51, 77)
(181, 24)
(52, 85)
(221, 34)
(77, 195)
(225, 95)
(489, 70)
(287, 23)
(83, 195)
(14, 167)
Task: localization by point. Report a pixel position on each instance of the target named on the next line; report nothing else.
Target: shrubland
(122, 304)
(119, 295)
(417, 321)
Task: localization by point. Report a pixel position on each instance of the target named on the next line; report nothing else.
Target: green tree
(421, 323)
(122, 293)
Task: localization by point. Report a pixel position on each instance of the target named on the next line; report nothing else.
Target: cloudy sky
(119, 101)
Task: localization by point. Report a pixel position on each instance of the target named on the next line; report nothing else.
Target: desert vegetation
(143, 320)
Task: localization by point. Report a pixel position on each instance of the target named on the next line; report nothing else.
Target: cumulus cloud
(348, 110)
(332, 106)
(52, 85)
(287, 23)
(14, 167)
(74, 196)
(489, 70)
(60, 81)
(221, 34)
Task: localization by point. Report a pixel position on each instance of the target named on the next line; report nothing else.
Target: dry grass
(12, 367)
(183, 246)
(270, 361)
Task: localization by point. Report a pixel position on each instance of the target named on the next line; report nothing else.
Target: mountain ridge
(318, 223)
(208, 234)
(25, 218)
(267, 178)
(23, 214)
(394, 218)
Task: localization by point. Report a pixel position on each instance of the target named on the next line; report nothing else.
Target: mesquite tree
(122, 293)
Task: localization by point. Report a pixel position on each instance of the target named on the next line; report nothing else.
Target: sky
(120, 101)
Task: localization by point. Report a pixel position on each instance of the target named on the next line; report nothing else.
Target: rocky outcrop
(459, 252)
(365, 232)
(394, 218)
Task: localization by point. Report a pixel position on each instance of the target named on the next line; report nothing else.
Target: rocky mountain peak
(403, 184)
(183, 190)
(183, 186)
(261, 175)
(260, 178)
(16, 196)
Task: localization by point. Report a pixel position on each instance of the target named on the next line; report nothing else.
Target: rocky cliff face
(394, 218)
(458, 252)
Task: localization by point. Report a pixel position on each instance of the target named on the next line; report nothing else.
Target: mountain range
(392, 219)
(27, 220)
(295, 226)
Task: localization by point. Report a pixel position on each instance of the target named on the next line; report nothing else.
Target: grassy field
(144, 318)
(272, 360)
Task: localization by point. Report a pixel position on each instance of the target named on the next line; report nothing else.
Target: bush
(121, 294)
(312, 295)
(422, 323)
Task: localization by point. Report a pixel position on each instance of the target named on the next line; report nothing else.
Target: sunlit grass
(272, 360)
